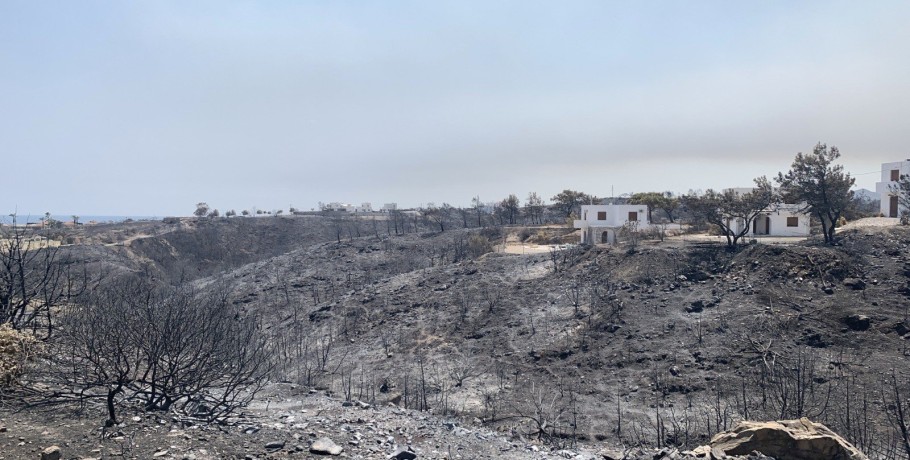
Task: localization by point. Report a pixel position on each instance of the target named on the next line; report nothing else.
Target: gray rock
(51, 453)
(855, 283)
(325, 446)
(857, 322)
(404, 455)
(275, 445)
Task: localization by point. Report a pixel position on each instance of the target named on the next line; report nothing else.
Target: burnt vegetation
(648, 343)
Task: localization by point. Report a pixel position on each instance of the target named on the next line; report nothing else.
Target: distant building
(891, 174)
(389, 207)
(345, 207)
(599, 222)
(781, 219)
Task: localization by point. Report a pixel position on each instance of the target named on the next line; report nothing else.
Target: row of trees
(204, 210)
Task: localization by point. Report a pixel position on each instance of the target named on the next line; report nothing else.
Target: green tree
(823, 186)
(731, 212)
(202, 209)
(568, 201)
(534, 208)
(510, 206)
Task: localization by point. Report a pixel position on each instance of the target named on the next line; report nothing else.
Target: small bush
(16, 349)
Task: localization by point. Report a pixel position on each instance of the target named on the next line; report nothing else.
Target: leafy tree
(534, 208)
(214, 213)
(202, 209)
(510, 207)
(245, 212)
(568, 201)
(732, 212)
(823, 186)
(665, 202)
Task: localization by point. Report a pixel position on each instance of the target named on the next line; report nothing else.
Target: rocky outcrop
(786, 440)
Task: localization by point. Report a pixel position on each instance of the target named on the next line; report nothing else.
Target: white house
(389, 207)
(364, 207)
(599, 222)
(891, 174)
(780, 220)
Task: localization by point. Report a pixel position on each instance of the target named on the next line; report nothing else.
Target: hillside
(653, 346)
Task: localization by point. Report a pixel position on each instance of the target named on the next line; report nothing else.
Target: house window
(793, 222)
(633, 216)
(601, 215)
(895, 175)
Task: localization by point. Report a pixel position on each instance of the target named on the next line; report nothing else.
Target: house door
(761, 225)
(607, 237)
(893, 203)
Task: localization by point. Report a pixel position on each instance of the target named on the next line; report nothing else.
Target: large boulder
(786, 440)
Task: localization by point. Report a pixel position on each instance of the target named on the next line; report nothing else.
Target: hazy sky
(145, 108)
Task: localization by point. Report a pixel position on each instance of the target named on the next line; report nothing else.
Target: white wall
(778, 223)
(617, 215)
(883, 188)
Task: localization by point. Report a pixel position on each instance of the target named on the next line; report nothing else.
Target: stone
(799, 439)
(404, 455)
(857, 322)
(274, 445)
(51, 453)
(855, 283)
(717, 454)
(325, 446)
(696, 306)
(609, 453)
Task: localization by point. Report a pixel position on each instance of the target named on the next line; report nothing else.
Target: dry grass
(16, 349)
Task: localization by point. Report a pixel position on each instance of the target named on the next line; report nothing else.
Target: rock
(855, 283)
(900, 328)
(786, 440)
(404, 455)
(857, 322)
(674, 370)
(612, 454)
(717, 454)
(325, 446)
(51, 453)
(274, 445)
(696, 307)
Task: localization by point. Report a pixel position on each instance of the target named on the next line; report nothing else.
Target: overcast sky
(146, 108)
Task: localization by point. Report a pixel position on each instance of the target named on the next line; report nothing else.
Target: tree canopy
(824, 187)
(730, 211)
(567, 201)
